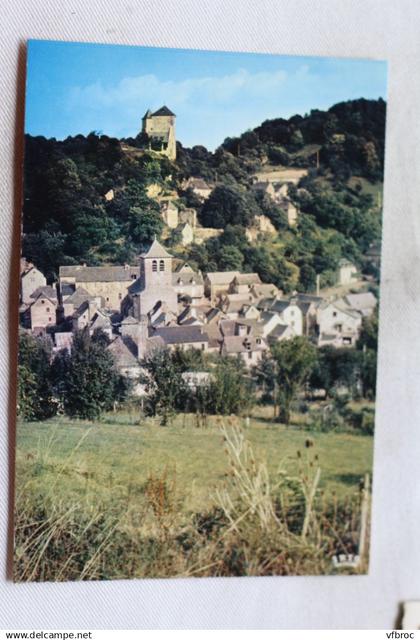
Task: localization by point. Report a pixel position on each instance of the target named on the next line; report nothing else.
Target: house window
(258, 340)
(120, 296)
(43, 301)
(154, 265)
(334, 314)
(339, 327)
(162, 265)
(203, 346)
(48, 309)
(107, 299)
(49, 319)
(250, 355)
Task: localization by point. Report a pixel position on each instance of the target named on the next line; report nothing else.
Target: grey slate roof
(248, 278)
(156, 251)
(47, 291)
(163, 111)
(79, 296)
(304, 306)
(100, 274)
(278, 331)
(308, 297)
(242, 344)
(186, 277)
(123, 354)
(180, 335)
(280, 305)
(265, 303)
(221, 277)
(361, 301)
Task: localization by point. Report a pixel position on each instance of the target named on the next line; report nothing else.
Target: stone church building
(155, 283)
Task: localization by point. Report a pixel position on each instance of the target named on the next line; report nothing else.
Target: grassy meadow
(126, 497)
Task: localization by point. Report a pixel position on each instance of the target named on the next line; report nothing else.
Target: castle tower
(160, 127)
(155, 283)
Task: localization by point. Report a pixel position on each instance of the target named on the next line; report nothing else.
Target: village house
(125, 355)
(365, 303)
(31, 279)
(243, 282)
(290, 314)
(183, 337)
(84, 314)
(187, 282)
(249, 312)
(198, 186)
(191, 316)
(43, 309)
(162, 315)
(346, 273)
(218, 282)
(249, 348)
(279, 333)
(338, 325)
(130, 327)
(108, 282)
(232, 309)
(263, 290)
(102, 321)
(308, 304)
(71, 303)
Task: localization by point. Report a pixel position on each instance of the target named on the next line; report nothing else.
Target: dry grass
(78, 517)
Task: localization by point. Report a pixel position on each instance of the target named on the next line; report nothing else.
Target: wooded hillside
(89, 199)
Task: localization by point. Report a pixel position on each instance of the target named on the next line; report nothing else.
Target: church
(160, 127)
(155, 283)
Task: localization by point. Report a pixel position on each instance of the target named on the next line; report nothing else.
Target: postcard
(198, 319)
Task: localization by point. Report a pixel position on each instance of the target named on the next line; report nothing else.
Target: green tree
(336, 367)
(230, 390)
(368, 365)
(89, 380)
(144, 225)
(164, 384)
(35, 389)
(294, 361)
(230, 259)
(368, 338)
(228, 205)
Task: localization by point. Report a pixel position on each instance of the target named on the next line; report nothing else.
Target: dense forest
(68, 219)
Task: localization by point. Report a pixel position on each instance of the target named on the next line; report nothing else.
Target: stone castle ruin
(160, 127)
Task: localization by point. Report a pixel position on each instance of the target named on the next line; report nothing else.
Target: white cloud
(217, 90)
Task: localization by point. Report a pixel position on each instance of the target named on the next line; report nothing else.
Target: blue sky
(77, 88)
